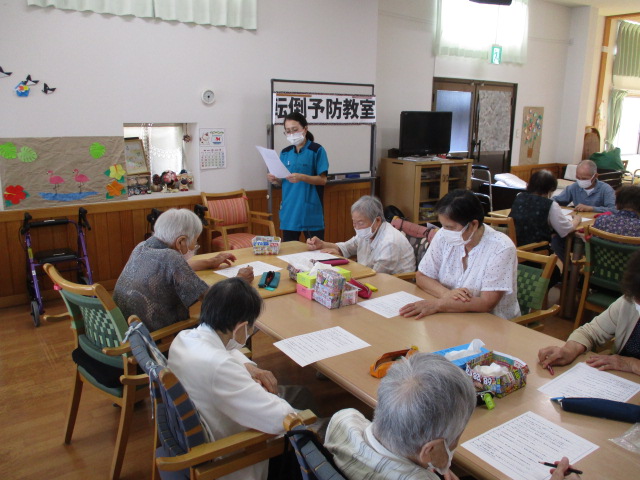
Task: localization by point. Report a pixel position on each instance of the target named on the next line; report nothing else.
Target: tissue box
(461, 362)
(304, 291)
(505, 384)
(303, 278)
(293, 272)
(344, 272)
(349, 295)
(266, 245)
(328, 288)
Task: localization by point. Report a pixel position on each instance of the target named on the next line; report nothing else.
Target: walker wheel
(35, 312)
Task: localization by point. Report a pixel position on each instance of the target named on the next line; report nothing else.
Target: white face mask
(233, 344)
(364, 233)
(295, 138)
(443, 471)
(454, 238)
(586, 184)
(190, 253)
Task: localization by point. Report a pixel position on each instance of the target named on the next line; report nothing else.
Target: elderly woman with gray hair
(376, 244)
(158, 283)
(424, 405)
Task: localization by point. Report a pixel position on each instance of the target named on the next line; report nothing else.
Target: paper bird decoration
(4, 74)
(47, 89)
(29, 81)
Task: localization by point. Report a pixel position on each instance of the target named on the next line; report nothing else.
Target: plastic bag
(629, 439)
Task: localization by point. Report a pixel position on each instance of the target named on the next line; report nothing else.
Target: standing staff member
(301, 206)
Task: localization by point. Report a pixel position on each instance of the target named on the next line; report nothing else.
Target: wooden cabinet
(415, 186)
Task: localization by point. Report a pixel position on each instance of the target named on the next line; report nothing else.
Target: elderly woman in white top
(469, 267)
(376, 244)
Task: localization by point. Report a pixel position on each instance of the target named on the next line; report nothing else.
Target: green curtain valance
(229, 13)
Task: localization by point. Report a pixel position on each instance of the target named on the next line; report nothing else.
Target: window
(628, 138)
(163, 144)
(467, 29)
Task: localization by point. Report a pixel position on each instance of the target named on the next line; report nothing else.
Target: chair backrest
(179, 426)
(607, 256)
(533, 279)
(418, 235)
(94, 313)
(505, 225)
(612, 177)
(316, 462)
(231, 208)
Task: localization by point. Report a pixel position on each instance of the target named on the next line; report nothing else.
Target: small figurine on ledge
(185, 180)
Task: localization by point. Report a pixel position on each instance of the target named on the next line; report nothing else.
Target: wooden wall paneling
(10, 250)
(127, 242)
(99, 258)
(139, 225)
(18, 259)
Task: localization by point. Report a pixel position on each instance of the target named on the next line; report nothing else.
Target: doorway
(483, 119)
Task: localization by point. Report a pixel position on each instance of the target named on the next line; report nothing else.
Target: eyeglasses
(196, 248)
(289, 131)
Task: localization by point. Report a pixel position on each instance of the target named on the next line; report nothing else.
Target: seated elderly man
(376, 244)
(424, 404)
(588, 194)
(158, 283)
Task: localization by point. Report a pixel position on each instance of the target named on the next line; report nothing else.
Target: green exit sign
(496, 54)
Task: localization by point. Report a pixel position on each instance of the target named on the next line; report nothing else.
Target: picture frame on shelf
(135, 157)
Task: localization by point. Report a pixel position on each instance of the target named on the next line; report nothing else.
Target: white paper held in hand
(275, 166)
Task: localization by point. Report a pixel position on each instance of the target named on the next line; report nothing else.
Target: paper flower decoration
(116, 171)
(97, 150)
(22, 90)
(14, 194)
(8, 150)
(27, 155)
(115, 189)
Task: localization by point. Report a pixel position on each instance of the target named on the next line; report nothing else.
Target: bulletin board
(54, 171)
(341, 117)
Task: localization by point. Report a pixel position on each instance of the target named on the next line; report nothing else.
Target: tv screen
(425, 133)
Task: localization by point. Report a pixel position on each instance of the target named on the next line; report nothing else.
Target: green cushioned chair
(533, 283)
(103, 357)
(606, 256)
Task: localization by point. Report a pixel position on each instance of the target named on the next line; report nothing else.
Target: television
(425, 133)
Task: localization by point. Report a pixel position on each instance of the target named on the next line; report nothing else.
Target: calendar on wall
(213, 151)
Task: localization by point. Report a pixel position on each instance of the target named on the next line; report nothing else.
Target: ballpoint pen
(550, 368)
(568, 470)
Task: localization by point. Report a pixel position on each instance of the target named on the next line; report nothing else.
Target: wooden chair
(507, 226)
(533, 283)
(182, 449)
(99, 328)
(418, 236)
(229, 212)
(606, 256)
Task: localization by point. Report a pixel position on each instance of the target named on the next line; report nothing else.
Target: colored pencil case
(384, 363)
(363, 290)
(334, 261)
(269, 280)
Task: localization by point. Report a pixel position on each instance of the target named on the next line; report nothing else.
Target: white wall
(406, 67)
(112, 70)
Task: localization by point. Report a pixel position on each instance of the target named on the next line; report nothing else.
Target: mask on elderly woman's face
(443, 471)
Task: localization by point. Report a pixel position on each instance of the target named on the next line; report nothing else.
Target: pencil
(569, 470)
(550, 368)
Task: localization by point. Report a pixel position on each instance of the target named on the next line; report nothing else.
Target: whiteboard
(349, 147)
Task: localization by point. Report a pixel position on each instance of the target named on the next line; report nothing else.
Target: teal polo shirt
(301, 207)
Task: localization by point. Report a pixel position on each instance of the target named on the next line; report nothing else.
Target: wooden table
(291, 315)
(286, 285)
